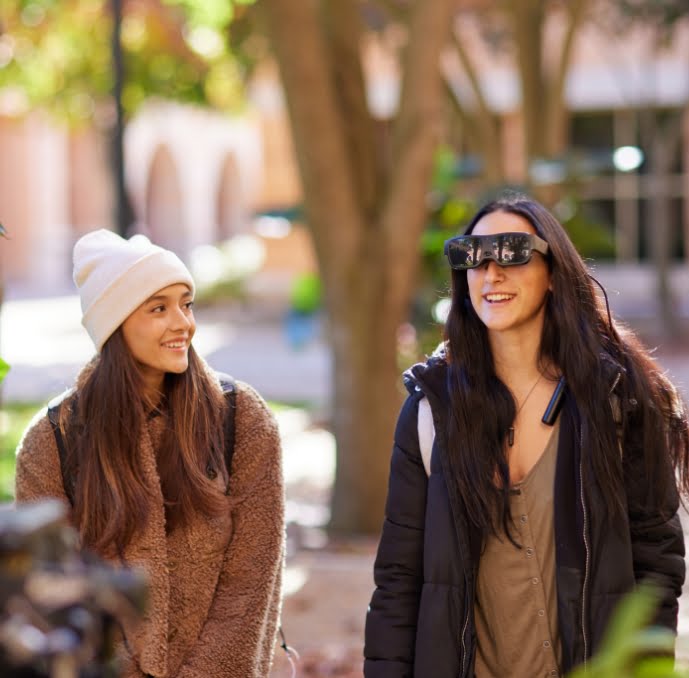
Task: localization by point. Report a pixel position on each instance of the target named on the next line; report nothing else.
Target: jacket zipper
(464, 648)
(587, 547)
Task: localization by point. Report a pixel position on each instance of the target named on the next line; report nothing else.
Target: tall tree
(365, 203)
(366, 195)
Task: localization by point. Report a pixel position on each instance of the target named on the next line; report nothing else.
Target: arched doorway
(229, 208)
(164, 218)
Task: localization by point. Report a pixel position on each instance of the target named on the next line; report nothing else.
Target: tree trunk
(366, 240)
(527, 17)
(556, 110)
(124, 215)
(367, 399)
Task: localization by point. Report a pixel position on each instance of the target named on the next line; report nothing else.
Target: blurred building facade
(193, 176)
(196, 177)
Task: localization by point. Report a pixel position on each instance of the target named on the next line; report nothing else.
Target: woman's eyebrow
(167, 297)
(157, 297)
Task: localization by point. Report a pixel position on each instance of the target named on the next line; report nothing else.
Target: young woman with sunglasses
(145, 471)
(560, 450)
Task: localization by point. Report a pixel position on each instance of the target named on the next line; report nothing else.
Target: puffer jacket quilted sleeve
(398, 572)
(657, 537)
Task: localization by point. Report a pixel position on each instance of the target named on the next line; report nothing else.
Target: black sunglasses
(506, 249)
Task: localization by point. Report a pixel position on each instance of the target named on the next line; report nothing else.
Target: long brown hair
(577, 338)
(103, 433)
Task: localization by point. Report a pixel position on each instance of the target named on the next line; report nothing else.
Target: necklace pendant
(510, 436)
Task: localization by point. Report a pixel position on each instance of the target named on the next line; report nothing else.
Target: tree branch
(555, 104)
(393, 10)
(417, 132)
(527, 26)
(318, 132)
(483, 122)
(345, 29)
(471, 75)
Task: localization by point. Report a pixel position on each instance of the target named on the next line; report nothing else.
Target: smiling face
(510, 298)
(159, 334)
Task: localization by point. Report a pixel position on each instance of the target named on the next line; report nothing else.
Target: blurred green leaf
(4, 369)
(57, 55)
(633, 613)
(306, 293)
(632, 649)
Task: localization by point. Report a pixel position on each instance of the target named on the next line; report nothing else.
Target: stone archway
(164, 217)
(228, 204)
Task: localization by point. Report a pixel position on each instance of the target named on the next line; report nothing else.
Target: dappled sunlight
(43, 332)
(308, 454)
(309, 467)
(210, 337)
(294, 578)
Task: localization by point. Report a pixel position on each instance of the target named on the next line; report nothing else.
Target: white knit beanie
(115, 276)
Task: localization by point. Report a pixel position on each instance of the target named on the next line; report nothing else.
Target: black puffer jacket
(420, 622)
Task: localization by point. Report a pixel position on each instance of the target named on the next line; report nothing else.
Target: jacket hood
(431, 376)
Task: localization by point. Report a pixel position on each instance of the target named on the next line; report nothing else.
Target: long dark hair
(579, 340)
(103, 433)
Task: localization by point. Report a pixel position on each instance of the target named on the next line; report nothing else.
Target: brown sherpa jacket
(215, 585)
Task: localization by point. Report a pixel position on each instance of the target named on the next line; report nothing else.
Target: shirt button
(546, 644)
(534, 580)
(541, 613)
(523, 519)
(529, 552)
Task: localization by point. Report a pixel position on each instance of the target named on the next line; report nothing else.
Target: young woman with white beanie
(144, 441)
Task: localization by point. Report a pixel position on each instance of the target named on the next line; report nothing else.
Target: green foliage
(448, 214)
(664, 13)
(450, 211)
(213, 13)
(306, 293)
(14, 419)
(4, 369)
(57, 54)
(592, 239)
(631, 648)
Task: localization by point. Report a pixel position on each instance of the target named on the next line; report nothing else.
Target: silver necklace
(510, 430)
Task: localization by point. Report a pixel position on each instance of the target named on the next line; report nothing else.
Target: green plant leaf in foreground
(632, 649)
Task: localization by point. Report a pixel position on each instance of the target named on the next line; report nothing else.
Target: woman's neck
(516, 357)
(153, 391)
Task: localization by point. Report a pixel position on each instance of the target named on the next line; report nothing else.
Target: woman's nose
(493, 271)
(181, 319)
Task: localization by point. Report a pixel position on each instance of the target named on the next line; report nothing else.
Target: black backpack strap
(229, 388)
(54, 418)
